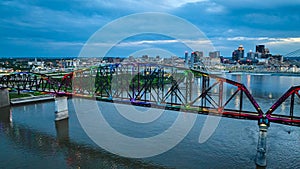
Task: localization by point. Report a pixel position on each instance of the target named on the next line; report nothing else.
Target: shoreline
(31, 99)
(268, 73)
(272, 73)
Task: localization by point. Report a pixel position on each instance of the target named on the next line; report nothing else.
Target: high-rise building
(260, 49)
(186, 58)
(215, 54)
(192, 60)
(241, 50)
(250, 55)
(264, 52)
(198, 56)
(238, 54)
(257, 55)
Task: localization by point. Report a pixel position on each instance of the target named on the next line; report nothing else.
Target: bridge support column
(5, 115)
(62, 129)
(261, 158)
(4, 98)
(61, 108)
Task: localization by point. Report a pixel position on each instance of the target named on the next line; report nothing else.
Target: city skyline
(61, 28)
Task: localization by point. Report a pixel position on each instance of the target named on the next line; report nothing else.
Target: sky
(62, 28)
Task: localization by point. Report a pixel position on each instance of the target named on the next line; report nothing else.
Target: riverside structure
(146, 87)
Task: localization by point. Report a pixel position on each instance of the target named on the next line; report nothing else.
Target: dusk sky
(61, 28)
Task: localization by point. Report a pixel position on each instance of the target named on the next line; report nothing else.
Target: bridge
(163, 87)
(295, 53)
(159, 86)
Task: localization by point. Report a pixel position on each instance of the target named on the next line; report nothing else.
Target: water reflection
(5, 115)
(261, 85)
(22, 141)
(62, 130)
(27, 143)
(74, 155)
(270, 95)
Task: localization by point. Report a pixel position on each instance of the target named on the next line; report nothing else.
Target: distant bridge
(160, 86)
(295, 53)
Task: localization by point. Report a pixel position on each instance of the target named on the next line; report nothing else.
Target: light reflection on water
(267, 89)
(33, 140)
(56, 146)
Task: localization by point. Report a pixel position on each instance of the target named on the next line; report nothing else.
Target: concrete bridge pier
(4, 98)
(62, 130)
(5, 115)
(61, 108)
(261, 158)
(62, 119)
(5, 111)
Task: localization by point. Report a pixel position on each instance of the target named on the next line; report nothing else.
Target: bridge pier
(5, 115)
(62, 130)
(4, 98)
(261, 157)
(61, 108)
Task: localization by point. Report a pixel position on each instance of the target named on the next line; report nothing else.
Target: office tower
(250, 55)
(192, 61)
(215, 54)
(186, 58)
(238, 54)
(198, 55)
(260, 49)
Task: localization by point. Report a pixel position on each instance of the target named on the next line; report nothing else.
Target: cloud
(199, 42)
(241, 38)
(275, 44)
(143, 42)
(284, 40)
(215, 8)
(137, 5)
(179, 3)
(257, 4)
(284, 45)
(45, 43)
(67, 23)
(268, 39)
(39, 17)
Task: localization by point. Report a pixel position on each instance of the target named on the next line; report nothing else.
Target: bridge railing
(221, 101)
(291, 96)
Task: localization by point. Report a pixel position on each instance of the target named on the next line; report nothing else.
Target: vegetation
(16, 95)
(36, 93)
(13, 95)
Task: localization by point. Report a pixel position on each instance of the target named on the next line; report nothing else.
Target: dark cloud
(220, 20)
(49, 26)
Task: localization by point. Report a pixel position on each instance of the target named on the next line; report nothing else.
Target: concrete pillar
(5, 115)
(62, 130)
(4, 98)
(261, 158)
(61, 108)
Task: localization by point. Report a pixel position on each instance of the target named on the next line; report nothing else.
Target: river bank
(273, 73)
(30, 99)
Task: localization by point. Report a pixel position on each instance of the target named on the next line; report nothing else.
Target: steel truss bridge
(159, 86)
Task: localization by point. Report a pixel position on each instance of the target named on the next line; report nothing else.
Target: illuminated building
(238, 54)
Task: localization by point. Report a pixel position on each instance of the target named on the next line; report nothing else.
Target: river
(33, 140)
